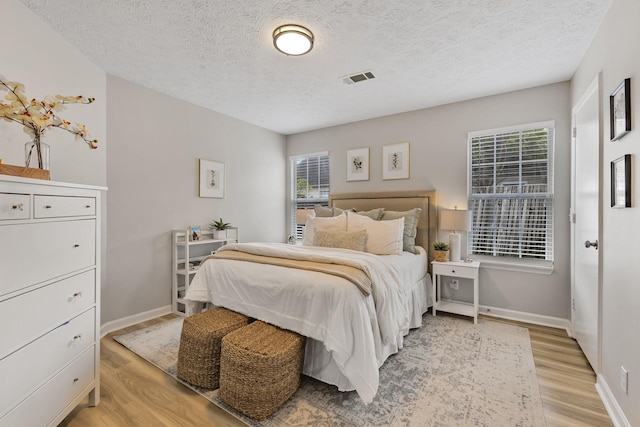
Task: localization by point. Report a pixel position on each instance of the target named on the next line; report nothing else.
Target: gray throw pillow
(410, 227)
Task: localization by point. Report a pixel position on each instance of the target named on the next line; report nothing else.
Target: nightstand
(462, 270)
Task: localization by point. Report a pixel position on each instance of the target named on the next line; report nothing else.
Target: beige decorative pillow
(335, 223)
(383, 237)
(323, 211)
(374, 214)
(341, 239)
(411, 218)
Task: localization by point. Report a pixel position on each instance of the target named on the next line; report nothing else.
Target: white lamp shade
(454, 220)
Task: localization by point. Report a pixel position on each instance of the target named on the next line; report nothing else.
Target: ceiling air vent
(360, 77)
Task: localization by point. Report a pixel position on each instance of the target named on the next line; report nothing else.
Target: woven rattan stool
(260, 368)
(199, 353)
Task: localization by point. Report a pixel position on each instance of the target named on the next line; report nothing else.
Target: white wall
(34, 54)
(438, 146)
(155, 144)
(614, 53)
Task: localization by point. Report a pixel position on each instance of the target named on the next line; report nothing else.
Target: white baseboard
(521, 316)
(611, 404)
(114, 325)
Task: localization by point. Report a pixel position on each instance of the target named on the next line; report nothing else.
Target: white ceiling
(219, 54)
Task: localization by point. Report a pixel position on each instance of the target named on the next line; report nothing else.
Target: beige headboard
(398, 201)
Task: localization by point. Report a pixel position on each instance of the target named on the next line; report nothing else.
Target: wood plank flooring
(135, 393)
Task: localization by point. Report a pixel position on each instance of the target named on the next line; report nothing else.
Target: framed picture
(620, 110)
(211, 179)
(621, 182)
(395, 161)
(195, 233)
(358, 164)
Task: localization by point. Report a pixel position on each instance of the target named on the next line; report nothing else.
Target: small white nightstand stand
(459, 269)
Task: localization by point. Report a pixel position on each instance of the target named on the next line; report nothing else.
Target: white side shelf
(186, 252)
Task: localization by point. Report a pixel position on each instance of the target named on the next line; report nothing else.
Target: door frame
(595, 86)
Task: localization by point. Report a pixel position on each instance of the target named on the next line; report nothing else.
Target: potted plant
(220, 229)
(441, 251)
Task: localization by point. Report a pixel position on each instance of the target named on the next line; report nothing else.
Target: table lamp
(453, 219)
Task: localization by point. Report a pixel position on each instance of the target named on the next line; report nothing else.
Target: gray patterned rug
(450, 373)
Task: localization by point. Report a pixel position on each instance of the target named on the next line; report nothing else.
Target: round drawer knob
(47, 206)
(19, 207)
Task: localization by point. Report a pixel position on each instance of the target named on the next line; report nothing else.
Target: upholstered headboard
(398, 201)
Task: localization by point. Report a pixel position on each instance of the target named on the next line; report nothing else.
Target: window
(309, 187)
(511, 192)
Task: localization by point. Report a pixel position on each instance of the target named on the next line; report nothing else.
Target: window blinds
(309, 185)
(511, 193)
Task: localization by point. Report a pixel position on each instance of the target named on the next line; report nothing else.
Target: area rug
(449, 373)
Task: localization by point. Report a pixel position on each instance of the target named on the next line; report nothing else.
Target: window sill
(522, 266)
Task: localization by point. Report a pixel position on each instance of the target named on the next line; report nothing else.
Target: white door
(586, 229)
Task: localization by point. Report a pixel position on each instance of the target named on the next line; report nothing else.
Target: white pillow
(383, 237)
(334, 223)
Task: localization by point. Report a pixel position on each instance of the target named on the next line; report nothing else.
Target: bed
(350, 333)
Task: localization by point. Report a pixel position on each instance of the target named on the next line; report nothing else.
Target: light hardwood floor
(135, 393)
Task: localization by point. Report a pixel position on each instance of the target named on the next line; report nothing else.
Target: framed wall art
(395, 161)
(621, 182)
(620, 110)
(211, 179)
(358, 164)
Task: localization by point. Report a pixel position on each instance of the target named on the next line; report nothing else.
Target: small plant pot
(219, 234)
(441, 256)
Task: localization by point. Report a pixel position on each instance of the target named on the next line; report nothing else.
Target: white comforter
(356, 333)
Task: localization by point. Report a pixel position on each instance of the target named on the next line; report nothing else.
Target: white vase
(219, 234)
(36, 155)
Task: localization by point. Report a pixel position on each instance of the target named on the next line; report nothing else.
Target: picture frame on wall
(621, 182)
(358, 164)
(212, 180)
(395, 161)
(620, 110)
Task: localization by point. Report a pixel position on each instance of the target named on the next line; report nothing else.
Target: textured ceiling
(219, 54)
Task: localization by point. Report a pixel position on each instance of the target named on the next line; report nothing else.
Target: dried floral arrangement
(37, 116)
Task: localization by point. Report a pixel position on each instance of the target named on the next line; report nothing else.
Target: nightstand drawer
(455, 270)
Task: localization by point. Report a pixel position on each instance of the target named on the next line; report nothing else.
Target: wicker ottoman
(260, 368)
(199, 353)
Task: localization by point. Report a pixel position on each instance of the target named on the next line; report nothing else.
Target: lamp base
(454, 247)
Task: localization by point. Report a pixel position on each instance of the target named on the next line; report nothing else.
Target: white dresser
(49, 299)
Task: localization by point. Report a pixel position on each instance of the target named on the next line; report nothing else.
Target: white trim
(302, 156)
(514, 264)
(124, 322)
(515, 128)
(521, 316)
(611, 404)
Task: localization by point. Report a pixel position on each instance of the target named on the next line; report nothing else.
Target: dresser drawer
(37, 312)
(40, 408)
(43, 358)
(61, 206)
(33, 253)
(14, 206)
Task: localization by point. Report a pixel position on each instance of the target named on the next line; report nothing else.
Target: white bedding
(351, 334)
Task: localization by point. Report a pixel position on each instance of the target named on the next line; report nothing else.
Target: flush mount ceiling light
(293, 39)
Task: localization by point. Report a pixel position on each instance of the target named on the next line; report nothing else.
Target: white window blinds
(309, 187)
(511, 192)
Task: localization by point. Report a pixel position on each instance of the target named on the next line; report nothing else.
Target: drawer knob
(78, 294)
(76, 245)
(75, 380)
(77, 337)
(453, 271)
(87, 206)
(19, 207)
(47, 206)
